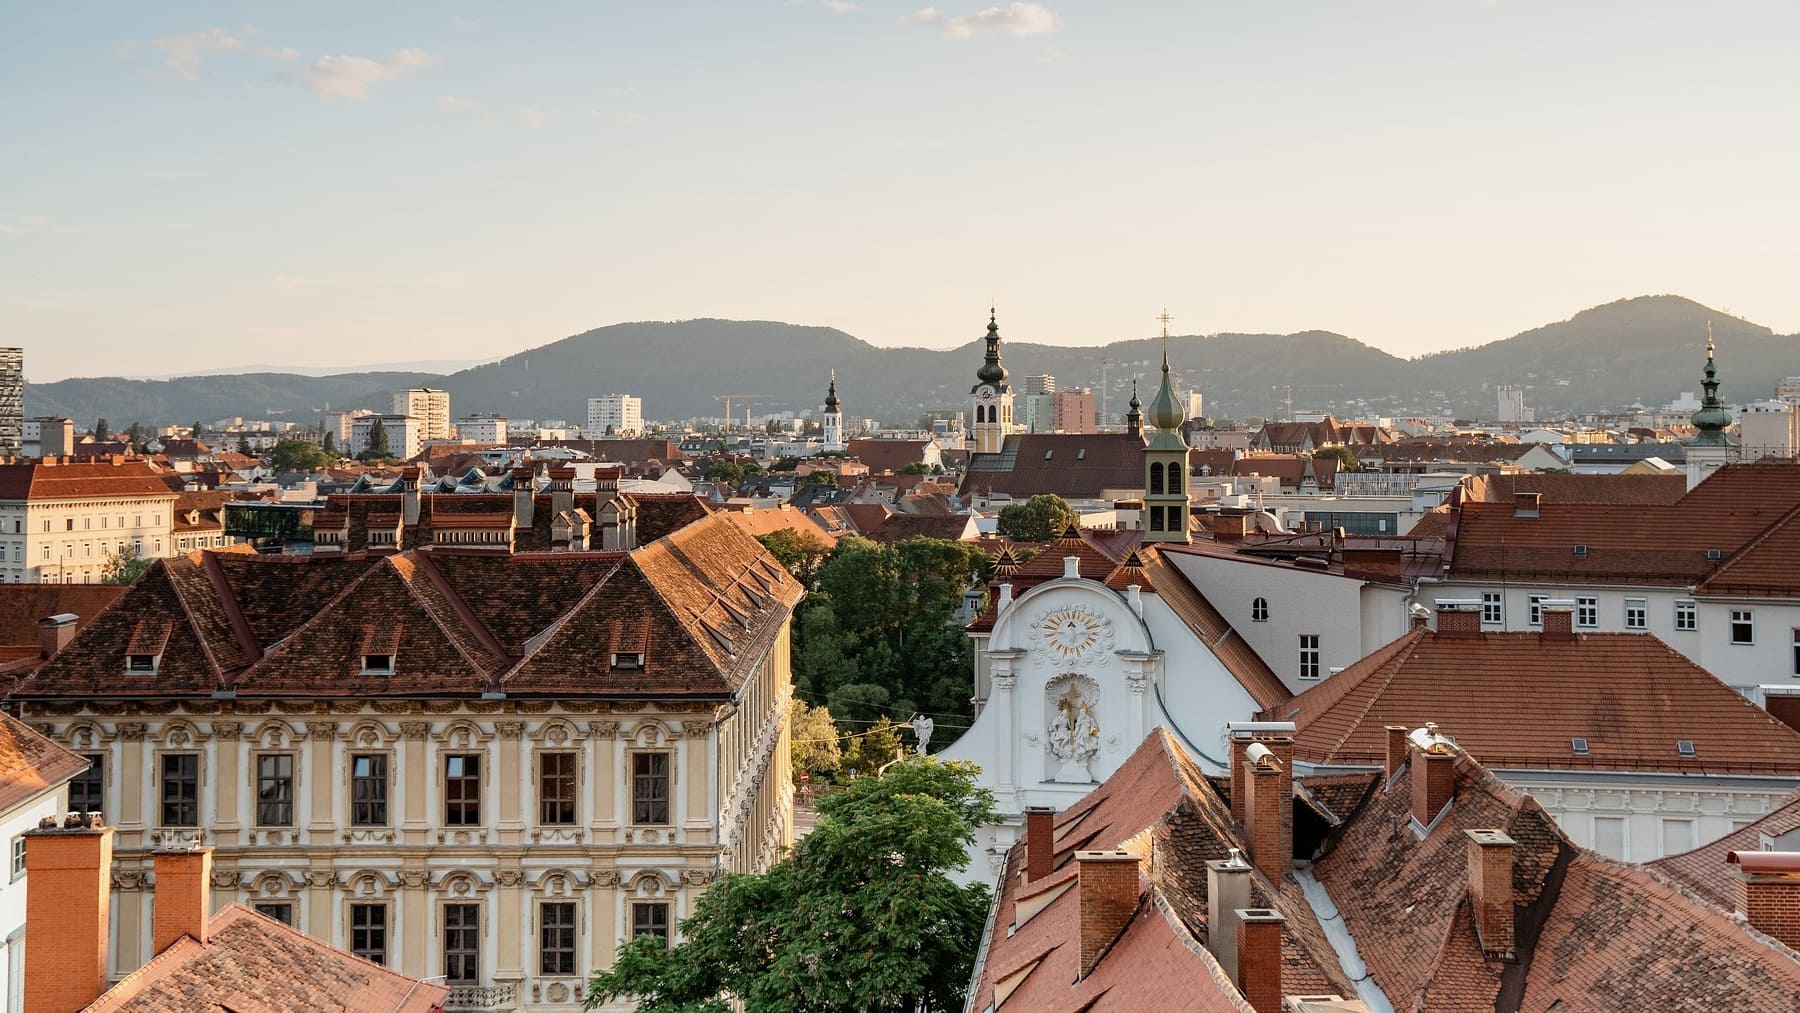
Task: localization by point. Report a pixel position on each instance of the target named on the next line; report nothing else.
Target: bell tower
(991, 398)
(833, 418)
(1710, 450)
(1166, 461)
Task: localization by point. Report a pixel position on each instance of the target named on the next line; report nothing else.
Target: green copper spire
(1712, 418)
(1165, 413)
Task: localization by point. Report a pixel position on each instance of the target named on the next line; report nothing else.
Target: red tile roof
(31, 763)
(22, 605)
(757, 522)
(1704, 869)
(254, 964)
(1632, 698)
(1072, 466)
(105, 479)
(887, 455)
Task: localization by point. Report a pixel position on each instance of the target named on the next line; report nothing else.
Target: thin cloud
(351, 77)
(186, 54)
(532, 116)
(842, 6)
(455, 104)
(1013, 19)
(461, 22)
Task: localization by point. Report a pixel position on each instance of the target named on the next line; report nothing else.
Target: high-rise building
(992, 398)
(614, 415)
(1072, 411)
(12, 400)
(1512, 404)
(404, 435)
(430, 406)
(1042, 383)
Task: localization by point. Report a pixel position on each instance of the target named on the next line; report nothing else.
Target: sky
(186, 186)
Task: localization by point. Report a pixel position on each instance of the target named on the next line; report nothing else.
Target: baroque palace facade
(486, 765)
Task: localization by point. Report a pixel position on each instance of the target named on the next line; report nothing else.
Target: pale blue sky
(192, 185)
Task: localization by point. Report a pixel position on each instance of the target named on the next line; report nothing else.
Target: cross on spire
(1165, 318)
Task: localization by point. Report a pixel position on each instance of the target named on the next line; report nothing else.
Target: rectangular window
(1797, 652)
(1743, 626)
(462, 943)
(1637, 613)
(556, 938)
(1677, 836)
(87, 790)
(650, 788)
(1309, 655)
(1536, 617)
(275, 790)
(1492, 609)
(1687, 616)
(649, 918)
(368, 932)
(281, 911)
(1587, 611)
(18, 856)
(181, 790)
(556, 789)
(1609, 836)
(369, 790)
(462, 791)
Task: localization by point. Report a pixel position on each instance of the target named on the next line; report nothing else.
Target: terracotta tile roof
(1232, 650)
(640, 451)
(899, 527)
(887, 455)
(1704, 870)
(101, 479)
(31, 763)
(1635, 697)
(254, 964)
(865, 518)
(1601, 490)
(1072, 466)
(707, 601)
(1768, 567)
(660, 514)
(22, 605)
(782, 518)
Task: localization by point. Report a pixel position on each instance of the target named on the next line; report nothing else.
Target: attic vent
(377, 664)
(1581, 550)
(1684, 746)
(1714, 555)
(626, 661)
(1579, 746)
(1047, 454)
(1081, 455)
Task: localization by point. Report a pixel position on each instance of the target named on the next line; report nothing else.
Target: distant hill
(1648, 349)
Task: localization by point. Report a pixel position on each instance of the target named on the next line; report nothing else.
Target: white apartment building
(61, 521)
(405, 435)
(482, 429)
(430, 406)
(338, 423)
(614, 415)
(1769, 429)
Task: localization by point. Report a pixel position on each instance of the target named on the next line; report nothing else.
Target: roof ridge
(165, 566)
(464, 613)
(234, 612)
(1392, 663)
(551, 632)
(1778, 525)
(294, 636)
(431, 611)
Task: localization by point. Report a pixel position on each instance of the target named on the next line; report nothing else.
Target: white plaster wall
(1628, 818)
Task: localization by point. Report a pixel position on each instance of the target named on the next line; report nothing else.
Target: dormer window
(143, 656)
(378, 651)
(141, 664)
(377, 664)
(626, 661)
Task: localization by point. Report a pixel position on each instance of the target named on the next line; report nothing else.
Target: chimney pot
(1071, 566)
(1491, 890)
(183, 901)
(1559, 622)
(68, 912)
(1259, 957)
(1227, 890)
(1040, 842)
(55, 632)
(1769, 892)
(1269, 804)
(1108, 884)
(1433, 779)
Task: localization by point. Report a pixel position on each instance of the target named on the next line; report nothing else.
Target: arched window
(1156, 518)
(1156, 480)
(1174, 477)
(1259, 610)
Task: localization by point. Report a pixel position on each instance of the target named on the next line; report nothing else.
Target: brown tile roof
(1072, 466)
(708, 600)
(22, 605)
(758, 522)
(638, 451)
(866, 517)
(1768, 567)
(1614, 490)
(899, 527)
(100, 479)
(1704, 870)
(254, 964)
(31, 763)
(887, 455)
(660, 513)
(1629, 695)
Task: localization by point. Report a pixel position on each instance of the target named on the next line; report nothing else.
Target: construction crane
(728, 398)
(1287, 390)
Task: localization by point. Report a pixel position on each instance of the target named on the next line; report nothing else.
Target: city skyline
(201, 184)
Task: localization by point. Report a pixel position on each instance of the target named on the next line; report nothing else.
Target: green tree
(243, 445)
(194, 432)
(297, 455)
(377, 447)
(867, 752)
(101, 431)
(329, 444)
(862, 916)
(816, 750)
(134, 435)
(726, 473)
(802, 552)
(821, 477)
(1344, 456)
(1038, 519)
(124, 567)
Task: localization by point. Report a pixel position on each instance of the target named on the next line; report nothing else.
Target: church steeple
(991, 372)
(831, 398)
(833, 419)
(1712, 418)
(1166, 502)
(1165, 411)
(1134, 419)
(991, 399)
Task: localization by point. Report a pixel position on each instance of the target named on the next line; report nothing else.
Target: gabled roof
(31, 763)
(1074, 466)
(1629, 695)
(887, 455)
(254, 964)
(1232, 650)
(1704, 870)
(112, 478)
(1768, 567)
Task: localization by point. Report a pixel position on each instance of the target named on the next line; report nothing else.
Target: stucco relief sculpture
(1073, 733)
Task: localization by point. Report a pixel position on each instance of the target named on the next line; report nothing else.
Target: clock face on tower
(1069, 632)
(985, 395)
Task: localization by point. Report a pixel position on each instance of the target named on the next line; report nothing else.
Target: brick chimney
(1559, 622)
(409, 496)
(1433, 775)
(68, 912)
(183, 901)
(1396, 750)
(1269, 803)
(1259, 958)
(524, 496)
(1769, 894)
(1491, 890)
(1108, 899)
(1040, 842)
(1458, 619)
(1227, 890)
(55, 632)
(1230, 527)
